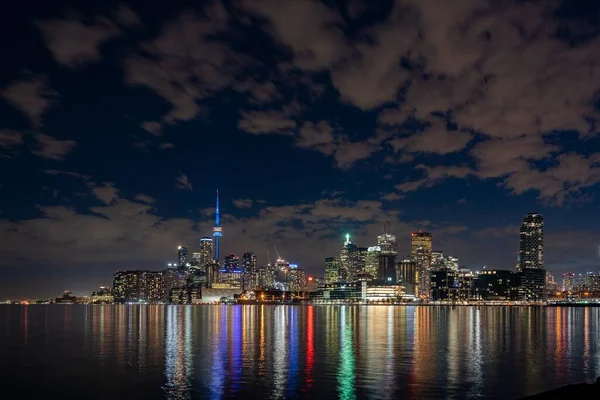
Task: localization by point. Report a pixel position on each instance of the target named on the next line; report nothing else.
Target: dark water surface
(198, 352)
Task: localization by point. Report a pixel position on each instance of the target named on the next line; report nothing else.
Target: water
(212, 352)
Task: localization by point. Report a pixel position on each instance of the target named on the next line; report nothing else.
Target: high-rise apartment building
(421, 246)
(250, 271)
(531, 242)
(296, 279)
(206, 254)
(139, 286)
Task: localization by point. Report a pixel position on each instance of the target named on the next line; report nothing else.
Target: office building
(444, 284)
(349, 261)
(386, 241)
(407, 275)
(531, 242)
(372, 261)
(332, 270)
(386, 271)
(182, 256)
(421, 247)
(231, 272)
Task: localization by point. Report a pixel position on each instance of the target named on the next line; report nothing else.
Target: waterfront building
(231, 272)
(332, 270)
(531, 284)
(217, 231)
(531, 242)
(152, 286)
(465, 284)
(126, 286)
(66, 298)
(104, 295)
(421, 247)
(444, 284)
(495, 284)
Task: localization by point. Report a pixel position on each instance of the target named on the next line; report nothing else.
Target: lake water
(321, 352)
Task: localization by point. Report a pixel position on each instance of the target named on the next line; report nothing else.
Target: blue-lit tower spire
(217, 230)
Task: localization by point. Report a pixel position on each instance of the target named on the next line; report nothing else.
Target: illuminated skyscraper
(407, 274)
(421, 245)
(531, 243)
(206, 252)
(217, 230)
(349, 261)
(332, 269)
(568, 281)
(250, 271)
(386, 241)
(182, 256)
(372, 261)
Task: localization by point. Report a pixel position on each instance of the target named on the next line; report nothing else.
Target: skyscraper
(372, 261)
(250, 271)
(182, 256)
(531, 242)
(421, 245)
(386, 241)
(206, 252)
(407, 273)
(217, 230)
(332, 269)
(349, 261)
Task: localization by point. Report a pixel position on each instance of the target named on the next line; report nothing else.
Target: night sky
(119, 121)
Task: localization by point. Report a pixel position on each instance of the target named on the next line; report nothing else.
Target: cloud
(144, 198)
(153, 127)
(319, 136)
(182, 182)
(126, 17)
(107, 193)
(270, 121)
(52, 148)
(166, 145)
(433, 175)
(243, 203)
(435, 138)
(67, 173)
(74, 42)
(30, 96)
(185, 63)
(10, 139)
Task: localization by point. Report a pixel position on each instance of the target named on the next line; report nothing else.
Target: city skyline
(112, 149)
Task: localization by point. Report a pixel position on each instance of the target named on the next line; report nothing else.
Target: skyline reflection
(277, 351)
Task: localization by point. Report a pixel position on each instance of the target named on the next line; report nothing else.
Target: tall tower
(217, 231)
(531, 242)
(421, 245)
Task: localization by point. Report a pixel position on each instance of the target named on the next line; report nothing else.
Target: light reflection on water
(347, 352)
